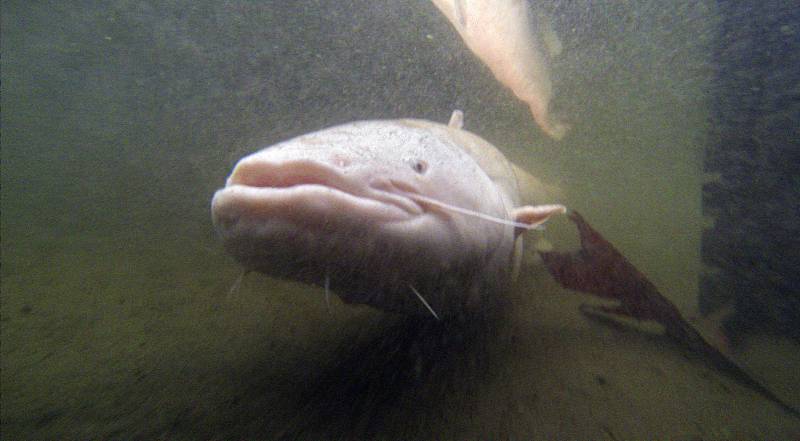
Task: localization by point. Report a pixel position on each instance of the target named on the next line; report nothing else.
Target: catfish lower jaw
(242, 210)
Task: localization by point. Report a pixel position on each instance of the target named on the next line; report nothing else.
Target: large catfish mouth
(306, 193)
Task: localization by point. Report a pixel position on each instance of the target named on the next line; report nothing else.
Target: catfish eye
(419, 166)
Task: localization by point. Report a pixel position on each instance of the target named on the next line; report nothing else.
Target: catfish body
(360, 208)
(501, 33)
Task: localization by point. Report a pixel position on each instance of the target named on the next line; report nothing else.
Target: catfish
(407, 215)
(503, 34)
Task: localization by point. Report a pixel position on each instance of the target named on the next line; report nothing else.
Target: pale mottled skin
(501, 34)
(334, 203)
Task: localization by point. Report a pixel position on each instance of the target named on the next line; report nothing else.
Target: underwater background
(120, 119)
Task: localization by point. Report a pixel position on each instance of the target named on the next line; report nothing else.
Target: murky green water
(120, 120)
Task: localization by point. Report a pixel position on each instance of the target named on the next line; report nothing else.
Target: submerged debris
(599, 269)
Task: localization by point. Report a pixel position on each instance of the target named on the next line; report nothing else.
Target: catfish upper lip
(263, 173)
